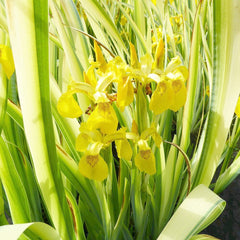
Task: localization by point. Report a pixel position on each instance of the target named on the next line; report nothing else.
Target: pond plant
(118, 119)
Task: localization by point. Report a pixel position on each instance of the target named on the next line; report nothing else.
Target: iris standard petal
(125, 93)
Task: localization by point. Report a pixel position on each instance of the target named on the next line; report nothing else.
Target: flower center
(92, 160)
(145, 154)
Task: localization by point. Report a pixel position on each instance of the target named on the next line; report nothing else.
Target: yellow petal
(157, 139)
(118, 135)
(159, 55)
(181, 72)
(237, 110)
(123, 20)
(124, 149)
(94, 134)
(178, 20)
(177, 39)
(162, 97)
(134, 127)
(134, 58)
(145, 160)
(6, 59)
(89, 77)
(82, 142)
(146, 63)
(152, 131)
(93, 167)
(180, 95)
(125, 93)
(67, 106)
(173, 64)
(103, 118)
(100, 58)
(148, 132)
(154, 2)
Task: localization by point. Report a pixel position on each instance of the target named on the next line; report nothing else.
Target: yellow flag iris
(171, 91)
(91, 142)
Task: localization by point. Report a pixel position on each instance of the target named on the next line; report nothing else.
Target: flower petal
(162, 97)
(145, 160)
(180, 94)
(67, 106)
(89, 76)
(103, 118)
(159, 55)
(6, 59)
(134, 58)
(93, 167)
(102, 64)
(134, 127)
(82, 142)
(173, 64)
(124, 149)
(237, 110)
(125, 93)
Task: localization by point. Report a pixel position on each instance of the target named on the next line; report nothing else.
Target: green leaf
(41, 230)
(136, 30)
(203, 237)
(3, 96)
(13, 186)
(197, 211)
(225, 88)
(103, 18)
(74, 65)
(28, 30)
(228, 176)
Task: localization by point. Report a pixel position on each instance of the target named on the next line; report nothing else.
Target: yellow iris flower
(100, 129)
(145, 160)
(6, 59)
(169, 94)
(171, 91)
(92, 165)
(177, 20)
